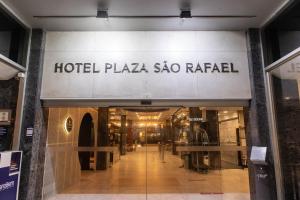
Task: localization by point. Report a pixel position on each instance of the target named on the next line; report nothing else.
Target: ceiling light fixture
(185, 14)
(102, 14)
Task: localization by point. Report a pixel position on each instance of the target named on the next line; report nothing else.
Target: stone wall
(256, 121)
(34, 116)
(62, 167)
(8, 100)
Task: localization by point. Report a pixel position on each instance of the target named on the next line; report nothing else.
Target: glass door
(147, 153)
(199, 153)
(129, 173)
(284, 95)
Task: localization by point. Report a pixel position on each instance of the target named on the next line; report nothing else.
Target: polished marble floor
(138, 174)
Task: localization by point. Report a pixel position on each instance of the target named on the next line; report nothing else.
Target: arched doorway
(86, 139)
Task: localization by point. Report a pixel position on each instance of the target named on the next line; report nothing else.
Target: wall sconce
(68, 124)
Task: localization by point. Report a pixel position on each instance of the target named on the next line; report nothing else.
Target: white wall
(148, 48)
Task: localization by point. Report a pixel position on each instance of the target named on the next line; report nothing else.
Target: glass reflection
(286, 85)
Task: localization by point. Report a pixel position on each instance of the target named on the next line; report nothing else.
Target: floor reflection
(129, 179)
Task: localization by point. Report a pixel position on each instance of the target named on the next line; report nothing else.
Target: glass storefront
(284, 86)
(281, 35)
(141, 152)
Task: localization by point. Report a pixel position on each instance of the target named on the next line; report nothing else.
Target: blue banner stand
(10, 172)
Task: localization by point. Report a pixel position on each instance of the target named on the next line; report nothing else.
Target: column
(168, 131)
(173, 135)
(129, 134)
(102, 138)
(123, 135)
(212, 129)
(197, 158)
(256, 121)
(194, 114)
(34, 116)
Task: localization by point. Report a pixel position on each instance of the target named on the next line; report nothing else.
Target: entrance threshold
(192, 196)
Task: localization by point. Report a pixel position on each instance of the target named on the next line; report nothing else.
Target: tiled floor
(129, 180)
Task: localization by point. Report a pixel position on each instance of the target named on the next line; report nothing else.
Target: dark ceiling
(289, 19)
(7, 23)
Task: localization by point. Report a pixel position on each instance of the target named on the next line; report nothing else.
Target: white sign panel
(146, 65)
(258, 155)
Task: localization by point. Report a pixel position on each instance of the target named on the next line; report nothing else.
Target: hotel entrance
(146, 153)
(146, 115)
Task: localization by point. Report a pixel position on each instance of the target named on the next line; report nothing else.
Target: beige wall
(62, 167)
(227, 131)
(228, 137)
